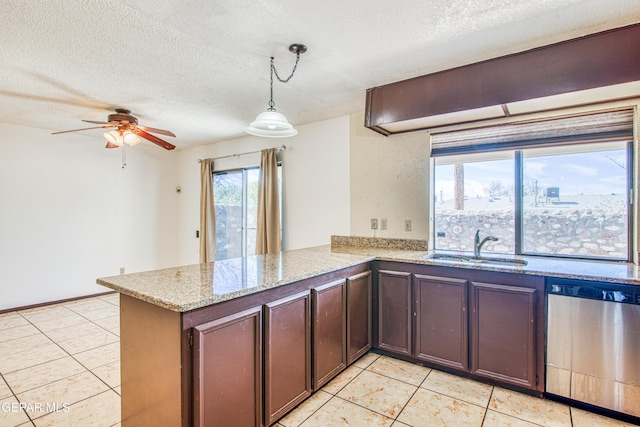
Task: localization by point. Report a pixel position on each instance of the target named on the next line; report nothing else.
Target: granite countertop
(190, 287)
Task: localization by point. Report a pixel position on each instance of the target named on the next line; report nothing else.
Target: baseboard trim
(62, 301)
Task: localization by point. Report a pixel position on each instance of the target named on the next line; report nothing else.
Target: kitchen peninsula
(269, 325)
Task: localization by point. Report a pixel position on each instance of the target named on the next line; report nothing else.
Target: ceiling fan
(126, 131)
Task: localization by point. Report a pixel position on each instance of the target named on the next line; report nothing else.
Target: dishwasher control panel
(600, 291)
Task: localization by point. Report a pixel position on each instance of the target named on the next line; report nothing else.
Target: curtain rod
(281, 148)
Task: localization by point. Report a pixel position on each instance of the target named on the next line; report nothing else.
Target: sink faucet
(477, 244)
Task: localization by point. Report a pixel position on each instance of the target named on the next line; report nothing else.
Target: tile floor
(61, 363)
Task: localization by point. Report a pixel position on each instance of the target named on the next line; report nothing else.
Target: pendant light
(270, 123)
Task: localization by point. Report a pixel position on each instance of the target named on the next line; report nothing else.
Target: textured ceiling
(201, 68)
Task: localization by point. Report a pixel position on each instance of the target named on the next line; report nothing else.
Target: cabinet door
(358, 316)
(503, 331)
(441, 322)
(394, 311)
(329, 332)
(228, 371)
(287, 355)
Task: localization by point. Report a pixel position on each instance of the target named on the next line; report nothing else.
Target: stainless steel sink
(513, 262)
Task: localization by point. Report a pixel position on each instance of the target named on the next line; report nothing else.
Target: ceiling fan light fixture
(114, 138)
(131, 139)
(271, 124)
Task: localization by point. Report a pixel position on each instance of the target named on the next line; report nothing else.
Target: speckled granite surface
(189, 287)
(372, 242)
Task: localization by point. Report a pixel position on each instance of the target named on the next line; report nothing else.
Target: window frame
(245, 205)
(518, 157)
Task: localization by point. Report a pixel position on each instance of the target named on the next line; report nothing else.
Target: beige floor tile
(496, 419)
(399, 424)
(27, 358)
(45, 373)
(99, 356)
(399, 370)
(102, 410)
(24, 343)
(88, 342)
(46, 313)
(74, 331)
(337, 412)
(588, 419)
(88, 305)
(12, 320)
(5, 391)
(529, 408)
(11, 414)
(305, 409)
(18, 332)
(109, 373)
(115, 331)
(94, 315)
(366, 360)
(118, 390)
(427, 408)
(111, 322)
(47, 325)
(459, 388)
(381, 394)
(343, 378)
(63, 392)
(111, 298)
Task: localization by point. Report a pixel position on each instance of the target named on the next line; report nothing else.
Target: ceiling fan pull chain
(124, 155)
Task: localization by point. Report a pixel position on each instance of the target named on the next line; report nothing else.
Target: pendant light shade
(271, 124)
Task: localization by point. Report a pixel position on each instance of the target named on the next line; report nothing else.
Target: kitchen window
(560, 196)
(236, 204)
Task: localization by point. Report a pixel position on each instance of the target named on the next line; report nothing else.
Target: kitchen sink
(513, 262)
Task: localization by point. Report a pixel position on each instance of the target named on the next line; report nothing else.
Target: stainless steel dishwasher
(593, 343)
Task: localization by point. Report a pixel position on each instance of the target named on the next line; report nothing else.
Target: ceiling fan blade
(153, 138)
(154, 130)
(97, 122)
(78, 130)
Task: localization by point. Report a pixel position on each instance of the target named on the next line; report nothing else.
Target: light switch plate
(374, 223)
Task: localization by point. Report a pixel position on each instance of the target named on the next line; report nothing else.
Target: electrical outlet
(407, 225)
(383, 224)
(374, 223)
(121, 270)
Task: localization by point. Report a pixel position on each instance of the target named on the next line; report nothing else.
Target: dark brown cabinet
(442, 321)
(228, 371)
(358, 316)
(394, 311)
(482, 323)
(329, 331)
(503, 330)
(287, 354)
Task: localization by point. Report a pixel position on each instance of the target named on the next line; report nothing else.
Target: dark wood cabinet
(503, 330)
(228, 370)
(394, 311)
(287, 354)
(329, 331)
(358, 315)
(442, 321)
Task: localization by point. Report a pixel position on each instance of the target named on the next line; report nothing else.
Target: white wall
(315, 183)
(70, 214)
(389, 179)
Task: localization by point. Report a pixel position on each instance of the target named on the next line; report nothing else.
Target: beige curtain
(268, 232)
(207, 214)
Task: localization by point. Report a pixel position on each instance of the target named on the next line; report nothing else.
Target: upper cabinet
(545, 78)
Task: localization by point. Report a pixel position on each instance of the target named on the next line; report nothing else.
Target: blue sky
(597, 172)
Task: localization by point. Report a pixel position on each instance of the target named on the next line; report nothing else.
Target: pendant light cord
(274, 71)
